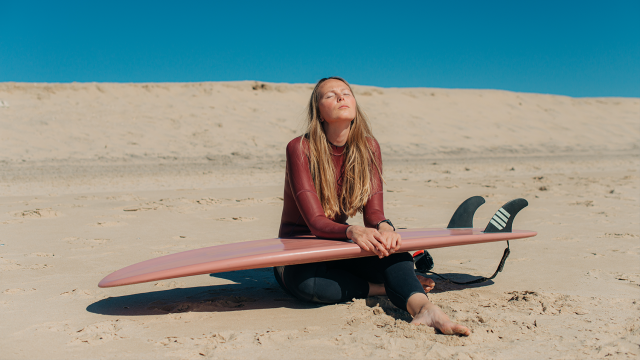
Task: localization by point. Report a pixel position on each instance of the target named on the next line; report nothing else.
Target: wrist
(385, 225)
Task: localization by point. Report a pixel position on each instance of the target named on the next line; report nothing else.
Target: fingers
(377, 242)
(382, 238)
(362, 245)
(398, 242)
(361, 239)
(391, 240)
(383, 251)
(382, 243)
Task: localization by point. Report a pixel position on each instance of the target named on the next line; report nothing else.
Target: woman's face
(336, 103)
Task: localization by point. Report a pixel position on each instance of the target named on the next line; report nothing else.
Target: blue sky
(576, 48)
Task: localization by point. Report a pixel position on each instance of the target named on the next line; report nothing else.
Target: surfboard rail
(289, 251)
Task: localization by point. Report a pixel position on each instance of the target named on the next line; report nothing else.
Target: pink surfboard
(288, 251)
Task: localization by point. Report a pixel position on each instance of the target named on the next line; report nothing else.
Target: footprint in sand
(18, 291)
(399, 190)
(566, 238)
(76, 293)
(108, 224)
(139, 208)
(251, 201)
(8, 265)
(208, 201)
(128, 197)
(619, 235)
(85, 197)
(207, 345)
(237, 218)
(105, 331)
(12, 221)
(586, 203)
(631, 279)
(40, 254)
(37, 213)
(37, 267)
(53, 326)
(80, 241)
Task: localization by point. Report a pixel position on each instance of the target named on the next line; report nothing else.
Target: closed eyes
(331, 94)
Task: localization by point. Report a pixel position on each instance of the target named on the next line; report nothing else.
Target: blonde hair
(359, 162)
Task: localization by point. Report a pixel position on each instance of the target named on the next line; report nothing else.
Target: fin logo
(500, 219)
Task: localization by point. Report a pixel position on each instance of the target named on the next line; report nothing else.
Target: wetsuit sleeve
(373, 211)
(304, 193)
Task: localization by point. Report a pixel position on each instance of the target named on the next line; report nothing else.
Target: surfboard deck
(289, 251)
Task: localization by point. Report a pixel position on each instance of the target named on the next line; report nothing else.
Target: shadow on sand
(252, 289)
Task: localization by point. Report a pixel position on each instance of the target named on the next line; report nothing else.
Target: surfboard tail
(503, 218)
(501, 222)
(463, 216)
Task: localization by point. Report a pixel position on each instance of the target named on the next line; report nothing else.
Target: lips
(343, 107)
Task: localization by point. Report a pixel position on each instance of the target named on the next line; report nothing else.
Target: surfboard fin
(503, 218)
(463, 216)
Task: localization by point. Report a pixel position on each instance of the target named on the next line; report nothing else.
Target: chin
(346, 117)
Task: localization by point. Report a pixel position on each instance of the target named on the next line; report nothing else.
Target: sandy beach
(95, 177)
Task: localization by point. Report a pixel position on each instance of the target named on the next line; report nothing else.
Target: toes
(458, 329)
(452, 328)
(427, 284)
(462, 330)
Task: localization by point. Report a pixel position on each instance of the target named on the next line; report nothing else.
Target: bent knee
(319, 290)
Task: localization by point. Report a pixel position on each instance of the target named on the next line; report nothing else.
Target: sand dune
(223, 122)
(95, 177)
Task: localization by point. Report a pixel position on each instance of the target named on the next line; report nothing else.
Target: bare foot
(427, 283)
(433, 316)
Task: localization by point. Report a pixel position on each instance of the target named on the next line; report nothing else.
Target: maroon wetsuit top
(303, 214)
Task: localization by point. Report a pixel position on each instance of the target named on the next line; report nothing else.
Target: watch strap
(385, 221)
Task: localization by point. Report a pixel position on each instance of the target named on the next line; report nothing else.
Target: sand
(95, 177)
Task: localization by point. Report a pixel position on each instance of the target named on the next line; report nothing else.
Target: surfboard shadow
(252, 289)
(444, 285)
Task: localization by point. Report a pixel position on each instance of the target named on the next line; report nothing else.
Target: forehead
(332, 84)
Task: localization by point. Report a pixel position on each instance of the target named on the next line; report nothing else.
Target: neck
(337, 133)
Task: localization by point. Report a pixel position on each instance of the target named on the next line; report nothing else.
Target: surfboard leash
(424, 263)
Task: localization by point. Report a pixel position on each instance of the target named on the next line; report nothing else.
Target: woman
(333, 172)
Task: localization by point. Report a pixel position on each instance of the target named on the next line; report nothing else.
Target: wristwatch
(385, 221)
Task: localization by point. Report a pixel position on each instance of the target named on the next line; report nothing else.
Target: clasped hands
(383, 242)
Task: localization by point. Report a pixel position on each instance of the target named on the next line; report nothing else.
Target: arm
(306, 197)
(373, 211)
(383, 238)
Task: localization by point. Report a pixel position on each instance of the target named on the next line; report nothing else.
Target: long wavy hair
(359, 163)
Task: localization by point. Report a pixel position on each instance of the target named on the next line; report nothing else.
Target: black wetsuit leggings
(337, 281)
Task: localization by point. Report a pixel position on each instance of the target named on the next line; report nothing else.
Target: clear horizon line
(289, 83)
